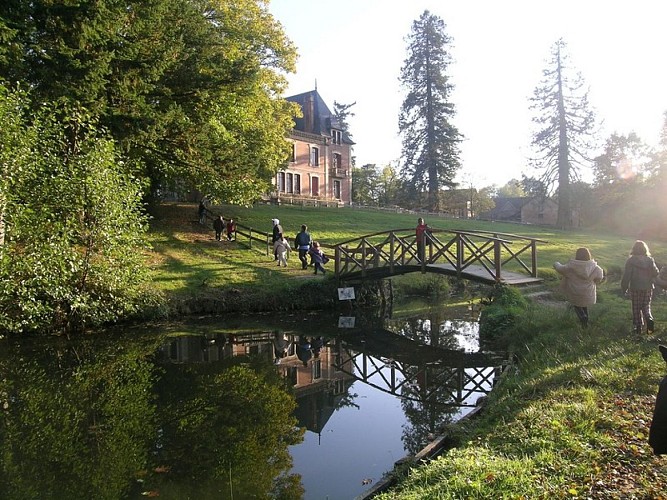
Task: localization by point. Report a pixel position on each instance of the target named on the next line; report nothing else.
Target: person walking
(231, 229)
(579, 284)
(318, 258)
(638, 275)
(219, 226)
(421, 228)
(302, 243)
(281, 248)
(275, 232)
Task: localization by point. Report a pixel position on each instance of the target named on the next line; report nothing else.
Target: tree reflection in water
(196, 411)
(99, 419)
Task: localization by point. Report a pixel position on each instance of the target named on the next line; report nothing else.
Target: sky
(353, 51)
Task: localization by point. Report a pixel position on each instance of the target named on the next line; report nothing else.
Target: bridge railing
(492, 251)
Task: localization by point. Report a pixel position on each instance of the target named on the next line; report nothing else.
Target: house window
(314, 156)
(281, 182)
(336, 188)
(297, 184)
(317, 369)
(293, 154)
(337, 160)
(336, 136)
(289, 183)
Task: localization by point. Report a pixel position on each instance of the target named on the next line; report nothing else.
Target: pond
(296, 406)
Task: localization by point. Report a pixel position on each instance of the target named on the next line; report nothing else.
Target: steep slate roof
(323, 118)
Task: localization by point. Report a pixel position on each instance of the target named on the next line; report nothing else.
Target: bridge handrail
(504, 235)
(433, 230)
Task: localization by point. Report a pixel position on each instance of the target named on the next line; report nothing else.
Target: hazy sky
(354, 50)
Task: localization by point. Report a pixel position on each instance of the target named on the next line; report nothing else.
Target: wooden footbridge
(483, 256)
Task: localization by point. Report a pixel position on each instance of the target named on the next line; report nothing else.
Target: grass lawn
(571, 420)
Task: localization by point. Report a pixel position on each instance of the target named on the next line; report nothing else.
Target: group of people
(640, 277)
(219, 225)
(303, 243)
(306, 347)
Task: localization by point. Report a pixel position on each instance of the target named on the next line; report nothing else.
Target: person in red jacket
(231, 229)
(422, 227)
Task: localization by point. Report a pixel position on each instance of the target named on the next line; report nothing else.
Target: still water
(310, 406)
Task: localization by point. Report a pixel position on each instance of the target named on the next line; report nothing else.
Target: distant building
(319, 167)
(525, 210)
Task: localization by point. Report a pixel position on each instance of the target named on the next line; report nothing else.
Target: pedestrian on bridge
(579, 284)
(421, 228)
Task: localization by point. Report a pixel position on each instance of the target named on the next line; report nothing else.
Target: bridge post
(459, 254)
(337, 260)
(533, 254)
(496, 259)
(392, 242)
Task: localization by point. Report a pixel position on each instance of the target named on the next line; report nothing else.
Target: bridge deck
(472, 272)
(481, 274)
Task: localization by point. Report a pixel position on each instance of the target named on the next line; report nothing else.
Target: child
(231, 229)
(218, 225)
(317, 257)
(580, 278)
(638, 275)
(280, 249)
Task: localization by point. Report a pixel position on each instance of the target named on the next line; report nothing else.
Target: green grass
(569, 420)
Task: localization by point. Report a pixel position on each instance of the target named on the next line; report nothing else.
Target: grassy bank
(571, 421)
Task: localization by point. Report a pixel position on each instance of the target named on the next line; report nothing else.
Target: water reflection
(219, 410)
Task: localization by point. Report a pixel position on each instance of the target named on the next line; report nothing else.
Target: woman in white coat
(579, 284)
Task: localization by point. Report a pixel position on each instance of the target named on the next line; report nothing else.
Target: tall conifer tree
(430, 141)
(565, 129)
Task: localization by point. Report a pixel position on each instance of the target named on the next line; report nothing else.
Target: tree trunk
(564, 211)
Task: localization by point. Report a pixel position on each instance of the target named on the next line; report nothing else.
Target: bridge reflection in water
(321, 369)
(371, 395)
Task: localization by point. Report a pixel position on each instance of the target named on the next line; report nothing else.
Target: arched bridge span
(483, 256)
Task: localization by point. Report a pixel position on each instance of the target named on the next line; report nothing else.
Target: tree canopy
(430, 151)
(187, 88)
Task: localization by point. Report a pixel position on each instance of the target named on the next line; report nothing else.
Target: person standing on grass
(579, 284)
(281, 248)
(638, 275)
(302, 243)
(219, 226)
(202, 211)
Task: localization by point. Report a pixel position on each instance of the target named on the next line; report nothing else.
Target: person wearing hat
(277, 231)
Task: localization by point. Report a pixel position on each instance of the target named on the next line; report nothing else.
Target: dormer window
(336, 136)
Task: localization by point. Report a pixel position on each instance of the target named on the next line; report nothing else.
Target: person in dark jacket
(219, 226)
(318, 258)
(302, 243)
(638, 275)
(657, 436)
(275, 234)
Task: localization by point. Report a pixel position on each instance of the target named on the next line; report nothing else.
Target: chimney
(309, 113)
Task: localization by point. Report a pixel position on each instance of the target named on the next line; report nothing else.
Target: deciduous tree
(430, 151)
(188, 88)
(74, 227)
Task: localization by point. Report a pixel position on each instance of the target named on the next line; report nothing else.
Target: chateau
(319, 168)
